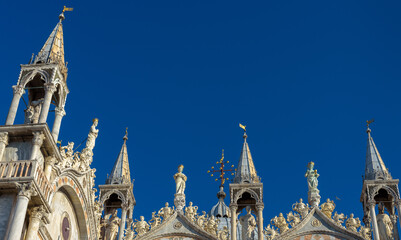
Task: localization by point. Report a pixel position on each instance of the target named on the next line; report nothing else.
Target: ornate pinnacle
(221, 170)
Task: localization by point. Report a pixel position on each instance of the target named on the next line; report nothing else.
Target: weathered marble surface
(6, 204)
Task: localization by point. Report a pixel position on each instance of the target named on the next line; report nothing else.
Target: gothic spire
(121, 173)
(53, 50)
(246, 172)
(375, 168)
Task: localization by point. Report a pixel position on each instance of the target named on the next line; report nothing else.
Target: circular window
(65, 227)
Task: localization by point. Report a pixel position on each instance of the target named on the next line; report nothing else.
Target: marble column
(398, 204)
(259, 209)
(233, 209)
(37, 142)
(18, 91)
(372, 205)
(50, 88)
(36, 215)
(60, 113)
(49, 162)
(20, 208)
(393, 218)
(3, 143)
(123, 219)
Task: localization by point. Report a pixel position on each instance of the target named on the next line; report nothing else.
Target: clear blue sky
(304, 76)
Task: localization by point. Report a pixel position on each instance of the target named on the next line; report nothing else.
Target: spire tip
(125, 138)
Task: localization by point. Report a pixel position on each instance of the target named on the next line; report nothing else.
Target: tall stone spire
(121, 173)
(53, 50)
(246, 172)
(374, 168)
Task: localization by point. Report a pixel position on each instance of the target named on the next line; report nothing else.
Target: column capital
(371, 203)
(4, 138)
(37, 212)
(60, 111)
(26, 190)
(38, 138)
(260, 206)
(50, 87)
(18, 90)
(233, 206)
(50, 160)
(125, 206)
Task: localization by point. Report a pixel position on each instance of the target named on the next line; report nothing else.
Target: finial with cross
(221, 170)
(368, 124)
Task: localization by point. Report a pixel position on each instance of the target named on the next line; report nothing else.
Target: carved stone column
(36, 215)
(50, 88)
(60, 113)
(18, 91)
(372, 205)
(398, 204)
(49, 162)
(395, 227)
(233, 208)
(259, 209)
(37, 142)
(21, 206)
(123, 219)
(3, 143)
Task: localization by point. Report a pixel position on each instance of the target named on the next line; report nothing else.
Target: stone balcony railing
(23, 171)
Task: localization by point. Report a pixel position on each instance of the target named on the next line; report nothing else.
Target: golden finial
(242, 126)
(66, 9)
(368, 124)
(126, 134)
(221, 169)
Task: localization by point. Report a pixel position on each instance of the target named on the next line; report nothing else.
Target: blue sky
(304, 76)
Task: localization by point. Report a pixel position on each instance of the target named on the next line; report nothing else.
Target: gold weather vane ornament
(66, 9)
(242, 126)
(369, 122)
(221, 170)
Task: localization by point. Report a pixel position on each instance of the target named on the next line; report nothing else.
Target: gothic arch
(248, 190)
(385, 187)
(43, 75)
(118, 193)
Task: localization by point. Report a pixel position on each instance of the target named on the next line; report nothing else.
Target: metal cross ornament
(221, 170)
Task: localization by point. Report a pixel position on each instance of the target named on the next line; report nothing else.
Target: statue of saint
(352, 223)
(32, 113)
(384, 224)
(112, 226)
(312, 176)
(339, 218)
(191, 211)
(211, 225)
(280, 223)
(90, 142)
(201, 220)
(223, 234)
(248, 224)
(328, 207)
(180, 180)
(141, 227)
(166, 211)
(155, 221)
(301, 208)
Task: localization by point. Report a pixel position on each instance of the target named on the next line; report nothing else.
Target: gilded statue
(155, 221)
(301, 208)
(211, 225)
(365, 233)
(223, 234)
(166, 211)
(328, 207)
(141, 227)
(293, 219)
(248, 224)
(352, 223)
(180, 180)
(339, 218)
(384, 224)
(312, 176)
(129, 233)
(191, 211)
(270, 232)
(280, 223)
(201, 220)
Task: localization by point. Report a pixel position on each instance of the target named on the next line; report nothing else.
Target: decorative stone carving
(59, 111)
(191, 211)
(112, 226)
(50, 87)
(280, 223)
(180, 180)
(352, 223)
(313, 193)
(293, 218)
(223, 234)
(32, 113)
(301, 208)
(177, 225)
(129, 233)
(86, 156)
(26, 190)
(4, 138)
(67, 154)
(384, 224)
(98, 209)
(155, 221)
(339, 218)
(38, 138)
(328, 207)
(211, 225)
(248, 224)
(316, 223)
(201, 220)
(93, 133)
(179, 201)
(365, 233)
(270, 232)
(141, 227)
(18, 90)
(37, 212)
(166, 211)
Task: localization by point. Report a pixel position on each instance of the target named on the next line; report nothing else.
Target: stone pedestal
(314, 198)
(179, 202)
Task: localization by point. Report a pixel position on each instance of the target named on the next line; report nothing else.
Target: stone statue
(293, 219)
(248, 224)
(141, 227)
(384, 224)
(280, 223)
(112, 226)
(32, 113)
(180, 180)
(223, 234)
(352, 223)
(90, 142)
(129, 233)
(328, 207)
(270, 232)
(166, 211)
(67, 153)
(201, 220)
(211, 225)
(301, 208)
(312, 176)
(155, 221)
(365, 233)
(191, 212)
(339, 218)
